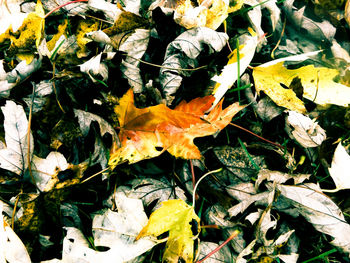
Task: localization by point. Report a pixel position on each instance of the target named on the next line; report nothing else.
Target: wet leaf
(176, 217)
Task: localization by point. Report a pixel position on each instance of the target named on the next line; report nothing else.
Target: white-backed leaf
(150, 190)
(319, 210)
(85, 118)
(339, 170)
(304, 130)
(182, 53)
(114, 230)
(223, 255)
(229, 73)
(45, 170)
(18, 150)
(18, 74)
(12, 250)
(135, 46)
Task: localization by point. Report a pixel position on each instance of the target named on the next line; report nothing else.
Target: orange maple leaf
(146, 133)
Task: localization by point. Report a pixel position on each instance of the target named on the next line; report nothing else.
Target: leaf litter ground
(100, 152)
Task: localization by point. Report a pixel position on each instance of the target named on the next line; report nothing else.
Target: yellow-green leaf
(318, 83)
(176, 217)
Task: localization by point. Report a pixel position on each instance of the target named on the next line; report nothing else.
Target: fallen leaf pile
(174, 131)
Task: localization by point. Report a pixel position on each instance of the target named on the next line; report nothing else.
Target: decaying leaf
(237, 161)
(115, 230)
(84, 26)
(223, 255)
(339, 171)
(41, 91)
(146, 133)
(279, 177)
(28, 35)
(319, 31)
(135, 46)
(318, 84)
(318, 209)
(208, 13)
(304, 130)
(95, 68)
(182, 54)
(176, 217)
(150, 190)
(12, 250)
(347, 12)
(8, 80)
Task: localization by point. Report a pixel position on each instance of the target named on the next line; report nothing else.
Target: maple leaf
(146, 133)
(176, 217)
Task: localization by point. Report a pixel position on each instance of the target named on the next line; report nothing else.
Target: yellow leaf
(61, 30)
(209, 15)
(28, 36)
(217, 14)
(318, 83)
(229, 73)
(235, 5)
(85, 26)
(176, 217)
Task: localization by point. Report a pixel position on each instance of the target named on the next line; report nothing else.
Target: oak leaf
(176, 217)
(146, 133)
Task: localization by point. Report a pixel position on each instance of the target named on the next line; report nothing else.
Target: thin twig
(15, 207)
(196, 186)
(170, 68)
(28, 137)
(254, 134)
(94, 175)
(233, 235)
(63, 5)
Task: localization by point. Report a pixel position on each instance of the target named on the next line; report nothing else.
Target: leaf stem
(196, 186)
(254, 134)
(28, 136)
(63, 5)
(233, 235)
